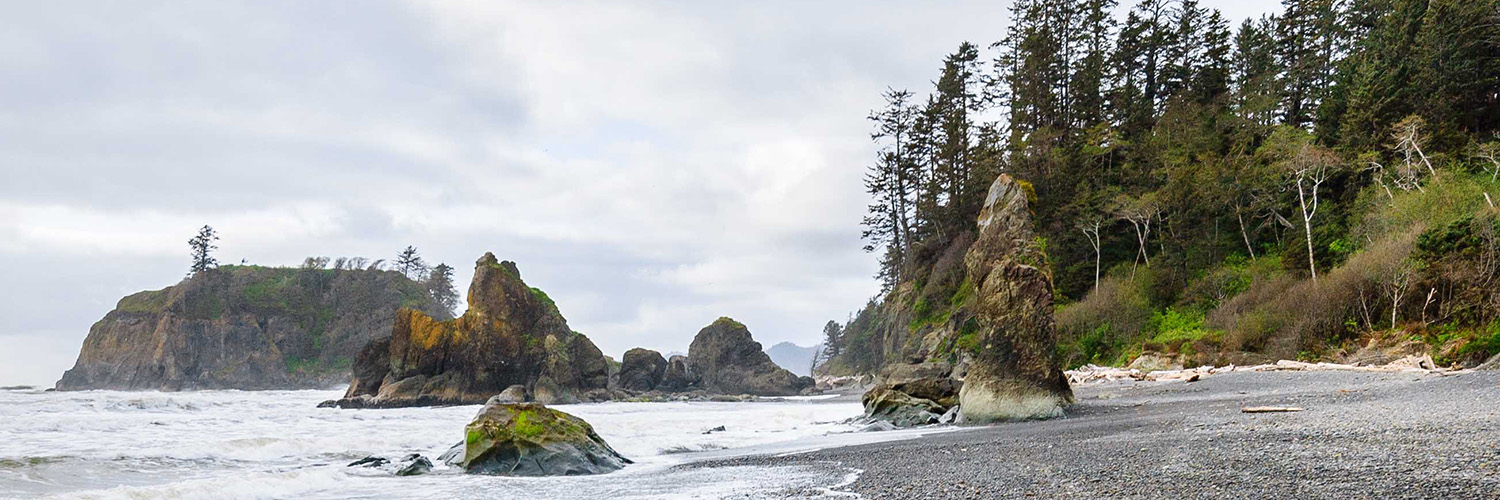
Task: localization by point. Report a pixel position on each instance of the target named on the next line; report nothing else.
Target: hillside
(1319, 184)
(793, 357)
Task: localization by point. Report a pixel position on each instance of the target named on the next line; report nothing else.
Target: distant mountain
(793, 357)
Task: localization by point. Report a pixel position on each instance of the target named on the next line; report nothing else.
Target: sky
(651, 165)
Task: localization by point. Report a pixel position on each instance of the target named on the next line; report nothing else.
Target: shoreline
(1360, 435)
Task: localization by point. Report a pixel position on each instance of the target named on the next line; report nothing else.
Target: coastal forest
(1317, 184)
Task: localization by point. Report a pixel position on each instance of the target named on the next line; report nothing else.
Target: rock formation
(511, 334)
(678, 376)
(913, 394)
(992, 352)
(529, 439)
(1014, 372)
(243, 327)
(726, 360)
(641, 370)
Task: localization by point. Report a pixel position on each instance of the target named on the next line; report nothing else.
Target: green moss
(473, 435)
(541, 296)
(154, 301)
(523, 424)
(968, 337)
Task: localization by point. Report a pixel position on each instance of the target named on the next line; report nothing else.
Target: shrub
(1099, 328)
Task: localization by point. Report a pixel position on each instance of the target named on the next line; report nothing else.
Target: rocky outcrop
(641, 370)
(678, 376)
(243, 327)
(511, 334)
(530, 439)
(1013, 372)
(726, 360)
(913, 394)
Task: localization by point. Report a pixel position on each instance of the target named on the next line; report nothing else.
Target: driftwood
(1091, 373)
(1269, 409)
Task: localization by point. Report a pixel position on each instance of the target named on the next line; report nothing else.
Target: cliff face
(243, 327)
(512, 334)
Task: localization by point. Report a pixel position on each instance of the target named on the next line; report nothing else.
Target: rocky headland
(244, 327)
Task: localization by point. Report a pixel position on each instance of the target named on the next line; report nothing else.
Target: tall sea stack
(1014, 373)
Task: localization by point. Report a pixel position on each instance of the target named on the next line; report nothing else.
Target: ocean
(278, 444)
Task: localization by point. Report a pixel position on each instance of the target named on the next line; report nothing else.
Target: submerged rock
(511, 335)
(1014, 372)
(530, 439)
(369, 462)
(641, 370)
(728, 361)
(416, 465)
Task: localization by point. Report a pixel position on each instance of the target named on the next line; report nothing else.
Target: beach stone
(1014, 372)
(529, 439)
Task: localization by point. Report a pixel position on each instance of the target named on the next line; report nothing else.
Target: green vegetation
(1293, 187)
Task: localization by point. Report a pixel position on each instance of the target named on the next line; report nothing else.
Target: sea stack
(244, 327)
(1014, 373)
(512, 334)
(726, 360)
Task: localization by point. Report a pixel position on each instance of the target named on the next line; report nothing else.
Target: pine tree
(410, 264)
(440, 288)
(203, 247)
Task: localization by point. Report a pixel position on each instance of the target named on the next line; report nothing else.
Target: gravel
(1362, 435)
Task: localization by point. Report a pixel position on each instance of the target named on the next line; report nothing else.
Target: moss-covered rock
(529, 439)
(726, 360)
(244, 327)
(512, 334)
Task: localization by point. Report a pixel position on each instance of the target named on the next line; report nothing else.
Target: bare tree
(1409, 143)
(1139, 212)
(315, 262)
(1397, 284)
(1490, 152)
(1090, 228)
(1307, 170)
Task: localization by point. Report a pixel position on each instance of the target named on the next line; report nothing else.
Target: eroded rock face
(243, 327)
(512, 334)
(529, 439)
(642, 370)
(678, 376)
(728, 361)
(1014, 372)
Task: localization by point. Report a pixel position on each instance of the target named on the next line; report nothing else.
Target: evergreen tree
(409, 263)
(203, 247)
(440, 287)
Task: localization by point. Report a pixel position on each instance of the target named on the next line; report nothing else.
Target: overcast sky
(652, 166)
